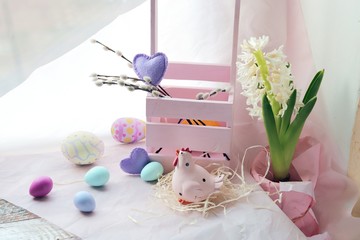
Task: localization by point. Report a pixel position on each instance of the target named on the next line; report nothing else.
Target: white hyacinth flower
(255, 44)
(268, 85)
(275, 80)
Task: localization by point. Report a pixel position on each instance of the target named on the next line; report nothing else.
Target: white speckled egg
(97, 176)
(128, 130)
(152, 171)
(82, 148)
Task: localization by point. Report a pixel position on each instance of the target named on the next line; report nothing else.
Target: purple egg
(41, 186)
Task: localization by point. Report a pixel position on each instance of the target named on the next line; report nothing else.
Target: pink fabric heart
(136, 162)
(153, 66)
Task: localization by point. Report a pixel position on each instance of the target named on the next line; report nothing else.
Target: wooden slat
(187, 108)
(18, 223)
(153, 26)
(202, 138)
(235, 42)
(191, 71)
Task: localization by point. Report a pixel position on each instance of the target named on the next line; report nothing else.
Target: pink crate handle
(176, 71)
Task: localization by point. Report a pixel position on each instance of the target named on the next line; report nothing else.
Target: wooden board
(18, 223)
(354, 161)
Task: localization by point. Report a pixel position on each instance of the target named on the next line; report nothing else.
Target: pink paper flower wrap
(295, 197)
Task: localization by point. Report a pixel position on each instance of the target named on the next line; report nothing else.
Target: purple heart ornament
(136, 162)
(153, 66)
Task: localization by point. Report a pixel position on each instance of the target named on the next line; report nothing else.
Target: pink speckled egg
(128, 130)
(41, 186)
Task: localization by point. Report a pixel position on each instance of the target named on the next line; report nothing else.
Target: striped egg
(128, 130)
(82, 148)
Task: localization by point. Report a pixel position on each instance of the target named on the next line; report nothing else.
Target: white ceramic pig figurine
(191, 182)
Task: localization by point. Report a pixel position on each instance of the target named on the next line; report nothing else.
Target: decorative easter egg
(128, 130)
(152, 171)
(97, 176)
(84, 201)
(138, 159)
(41, 186)
(82, 148)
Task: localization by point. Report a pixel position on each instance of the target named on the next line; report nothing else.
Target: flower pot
(295, 197)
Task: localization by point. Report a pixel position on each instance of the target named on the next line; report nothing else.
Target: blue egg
(84, 201)
(97, 176)
(152, 171)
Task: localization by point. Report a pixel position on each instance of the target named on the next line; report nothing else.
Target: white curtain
(34, 32)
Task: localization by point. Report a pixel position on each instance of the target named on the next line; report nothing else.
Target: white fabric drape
(59, 98)
(34, 32)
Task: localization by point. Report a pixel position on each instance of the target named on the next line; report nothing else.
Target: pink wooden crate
(164, 135)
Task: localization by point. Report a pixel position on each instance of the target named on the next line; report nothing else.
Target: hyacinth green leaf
(279, 165)
(314, 86)
(297, 125)
(270, 125)
(285, 122)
